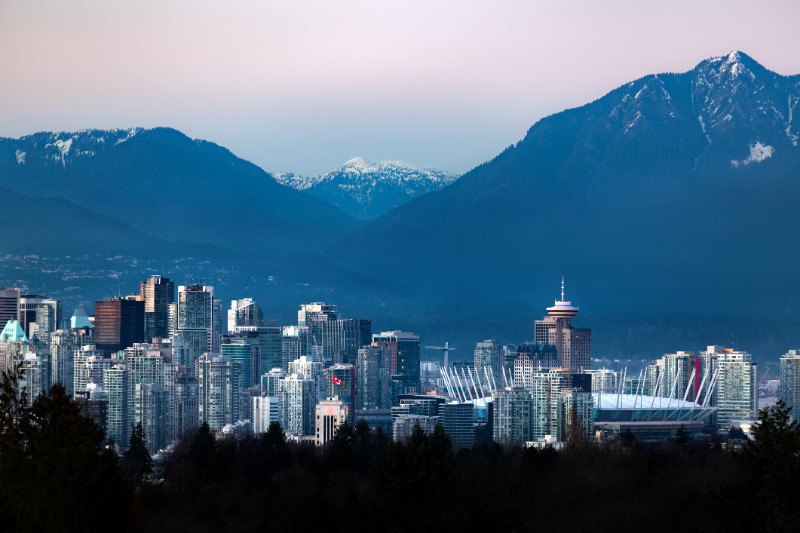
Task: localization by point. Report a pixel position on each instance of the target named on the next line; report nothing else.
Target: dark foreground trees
(55, 474)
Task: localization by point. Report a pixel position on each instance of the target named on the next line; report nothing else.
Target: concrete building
(513, 416)
(789, 390)
(297, 405)
(573, 345)
(151, 408)
(186, 405)
(9, 305)
(329, 417)
(118, 423)
(736, 388)
(458, 421)
(219, 383)
(35, 376)
(88, 367)
(62, 346)
(266, 410)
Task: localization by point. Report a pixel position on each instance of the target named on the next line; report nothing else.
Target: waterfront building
(573, 345)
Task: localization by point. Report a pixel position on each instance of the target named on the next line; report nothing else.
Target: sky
(304, 85)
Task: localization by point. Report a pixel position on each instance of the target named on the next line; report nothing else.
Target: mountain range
(367, 190)
(670, 205)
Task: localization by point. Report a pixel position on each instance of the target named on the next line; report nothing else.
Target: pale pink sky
(305, 85)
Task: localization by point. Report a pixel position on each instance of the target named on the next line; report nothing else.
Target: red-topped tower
(574, 345)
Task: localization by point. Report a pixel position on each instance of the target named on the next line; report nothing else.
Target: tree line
(57, 473)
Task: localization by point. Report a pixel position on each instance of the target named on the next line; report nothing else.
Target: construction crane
(446, 349)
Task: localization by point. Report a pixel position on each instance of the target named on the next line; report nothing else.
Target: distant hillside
(670, 204)
(367, 190)
(168, 185)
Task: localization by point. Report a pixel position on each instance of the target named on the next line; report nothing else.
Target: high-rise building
(88, 367)
(513, 416)
(9, 305)
(573, 345)
(118, 423)
(415, 410)
(48, 319)
(789, 390)
(118, 323)
(311, 370)
(151, 364)
(458, 421)
(737, 389)
(404, 358)
(151, 409)
(271, 381)
(186, 404)
(157, 293)
(28, 304)
(62, 346)
(575, 413)
(248, 355)
(294, 344)
(35, 376)
(330, 415)
(193, 317)
(373, 379)
(266, 410)
(546, 388)
(219, 383)
(94, 403)
(488, 356)
(342, 338)
(340, 381)
(316, 316)
(297, 405)
(13, 344)
(244, 313)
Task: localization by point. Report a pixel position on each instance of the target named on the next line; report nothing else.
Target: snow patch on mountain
(758, 153)
(20, 157)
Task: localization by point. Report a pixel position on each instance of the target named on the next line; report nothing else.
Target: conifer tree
(136, 462)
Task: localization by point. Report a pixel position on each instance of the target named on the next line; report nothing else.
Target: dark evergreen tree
(202, 448)
(136, 461)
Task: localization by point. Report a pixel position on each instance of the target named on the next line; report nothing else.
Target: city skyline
(447, 85)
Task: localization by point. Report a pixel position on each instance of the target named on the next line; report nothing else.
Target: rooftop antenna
(562, 289)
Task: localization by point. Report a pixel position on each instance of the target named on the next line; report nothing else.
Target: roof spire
(562, 288)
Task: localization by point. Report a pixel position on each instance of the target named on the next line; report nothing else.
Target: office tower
(404, 358)
(546, 387)
(340, 381)
(330, 415)
(216, 323)
(297, 405)
(266, 410)
(48, 319)
(789, 390)
(294, 344)
(244, 313)
(13, 345)
(458, 421)
(180, 352)
(62, 346)
(88, 367)
(246, 354)
(488, 356)
(28, 303)
(513, 416)
(9, 305)
(737, 389)
(193, 318)
(118, 323)
(541, 355)
(157, 293)
(118, 424)
(575, 413)
(93, 403)
(341, 339)
(151, 409)
(315, 317)
(373, 379)
(219, 382)
(267, 339)
(35, 376)
(311, 370)
(186, 404)
(573, 345)
(523, 371)
(151, 364)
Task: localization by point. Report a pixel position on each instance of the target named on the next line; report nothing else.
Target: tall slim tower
(574, 345)
(157, 292)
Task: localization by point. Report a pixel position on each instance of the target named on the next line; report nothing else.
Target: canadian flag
(337, 380)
